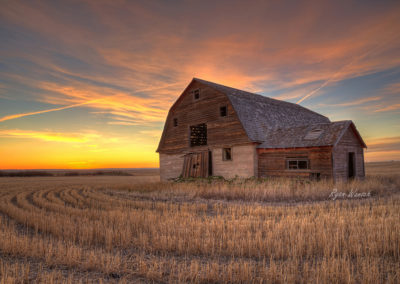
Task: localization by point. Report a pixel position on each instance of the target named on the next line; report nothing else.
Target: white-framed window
(297, 163)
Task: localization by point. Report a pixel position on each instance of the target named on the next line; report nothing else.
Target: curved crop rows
(124, 235)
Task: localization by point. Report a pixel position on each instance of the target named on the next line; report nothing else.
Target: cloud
(18, 115)
(49, 136)
(346, 66)
(152, 133)
(383, 148)
(126, 123)
(388, 108)
(384, 144)
(117, 104)
(126, 63)
(144, 48)
(359, 101)
(388, 101)
(355, 103)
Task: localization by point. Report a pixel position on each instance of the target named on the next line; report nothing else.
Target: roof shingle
(295, 137)
(259, 115)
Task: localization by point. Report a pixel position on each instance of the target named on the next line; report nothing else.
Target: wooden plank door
(196, 165)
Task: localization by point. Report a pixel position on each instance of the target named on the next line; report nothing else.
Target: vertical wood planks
(195, 165)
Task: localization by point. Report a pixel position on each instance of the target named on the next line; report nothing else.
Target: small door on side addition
(196, 165)
(351, 166)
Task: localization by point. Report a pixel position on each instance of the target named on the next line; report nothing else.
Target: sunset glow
(89, 84)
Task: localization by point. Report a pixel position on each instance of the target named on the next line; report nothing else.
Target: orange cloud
(388, 108)
(383, 148)
(49, 136)
(384, 143)
(116, 103)
(131, 66)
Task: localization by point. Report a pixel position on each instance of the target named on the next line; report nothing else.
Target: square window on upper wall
(223, 111)
(175, 122)
(196, 94)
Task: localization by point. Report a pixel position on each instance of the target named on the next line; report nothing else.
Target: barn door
(351, 165)
(196, 165)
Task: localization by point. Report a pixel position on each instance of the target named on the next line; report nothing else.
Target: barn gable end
(348, 147)
(188, 111)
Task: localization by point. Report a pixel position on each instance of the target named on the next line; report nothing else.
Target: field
(136, 229)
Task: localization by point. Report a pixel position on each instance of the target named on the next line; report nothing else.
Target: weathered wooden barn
(216, 130)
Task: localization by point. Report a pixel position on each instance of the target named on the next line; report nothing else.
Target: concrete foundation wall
(170, 166)
(243, 164)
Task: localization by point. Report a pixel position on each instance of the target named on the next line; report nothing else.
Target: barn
(217, 130)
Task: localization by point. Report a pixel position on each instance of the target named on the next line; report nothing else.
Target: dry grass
(136, 229)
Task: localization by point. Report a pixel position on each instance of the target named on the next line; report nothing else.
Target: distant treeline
(64, 173)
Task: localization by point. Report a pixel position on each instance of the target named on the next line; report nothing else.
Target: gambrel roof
(259, 114)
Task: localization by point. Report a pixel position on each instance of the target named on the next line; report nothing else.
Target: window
(198, 135)
(223, 111)
(297, 164)
(227, 154)
(175, 122)
(196, 94)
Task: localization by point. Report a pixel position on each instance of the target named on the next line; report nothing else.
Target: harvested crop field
(135, 229)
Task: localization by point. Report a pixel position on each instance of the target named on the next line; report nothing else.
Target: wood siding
(272, 162)
(206, 109)
(348, 143)
(196, 165)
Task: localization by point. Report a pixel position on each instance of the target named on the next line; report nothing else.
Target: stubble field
(136, 229)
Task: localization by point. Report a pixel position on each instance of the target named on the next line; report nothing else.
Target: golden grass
(136, 229)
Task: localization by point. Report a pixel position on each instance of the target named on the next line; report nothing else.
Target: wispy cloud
(388, 108)
(384, 144)
(49, 136)
(126, 64)
(388, 101)
(359, 101)
(19, 115)
(346, 66)
(152, 133)
(383, 148)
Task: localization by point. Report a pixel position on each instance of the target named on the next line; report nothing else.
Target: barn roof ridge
(260, 114)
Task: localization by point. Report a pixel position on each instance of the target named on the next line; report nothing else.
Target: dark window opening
(297, 164)
(198, 135)
(196, 94)
(223, 111)
(210, 171)
(175, 122)
(227, 154)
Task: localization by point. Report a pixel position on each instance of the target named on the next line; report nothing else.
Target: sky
(88, 84)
